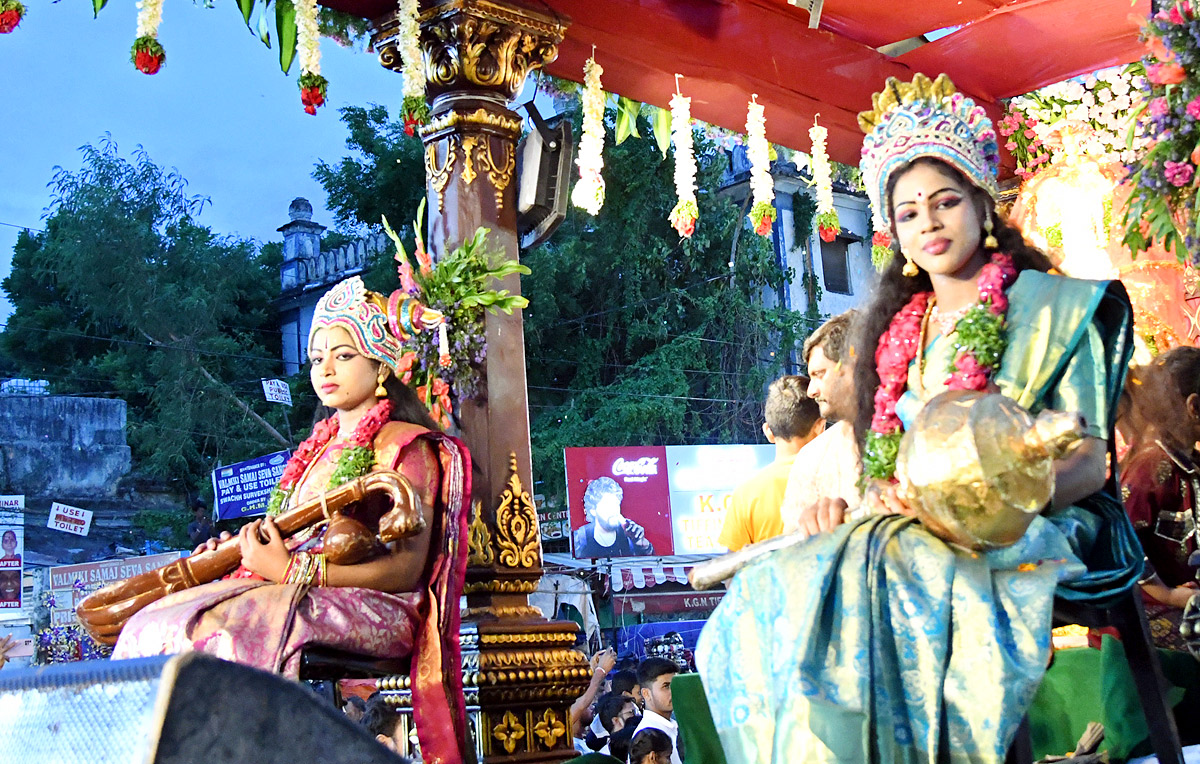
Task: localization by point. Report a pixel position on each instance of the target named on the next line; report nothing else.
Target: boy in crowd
(654, 676)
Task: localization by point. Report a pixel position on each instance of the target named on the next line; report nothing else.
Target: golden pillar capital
(476, 47)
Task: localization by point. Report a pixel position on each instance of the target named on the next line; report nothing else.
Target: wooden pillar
(477, 55)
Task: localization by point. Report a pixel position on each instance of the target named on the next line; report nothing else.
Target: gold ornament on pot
(977, 467)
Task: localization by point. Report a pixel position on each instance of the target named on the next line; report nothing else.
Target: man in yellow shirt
(792, 420)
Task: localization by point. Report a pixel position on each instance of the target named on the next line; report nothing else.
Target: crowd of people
(628, 717)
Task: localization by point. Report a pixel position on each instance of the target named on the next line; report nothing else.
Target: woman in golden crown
(403, 599)
(905, 647)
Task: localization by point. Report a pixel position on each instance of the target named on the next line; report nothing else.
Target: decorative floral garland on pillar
(762, 214)
(313, 86)
(147, 53)
(589, 191)
(683, 217)
(11, 13)
(408, 40)
(827, 221)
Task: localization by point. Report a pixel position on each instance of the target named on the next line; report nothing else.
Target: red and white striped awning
(646, 576)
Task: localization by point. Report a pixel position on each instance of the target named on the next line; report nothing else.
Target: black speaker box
(188, 709)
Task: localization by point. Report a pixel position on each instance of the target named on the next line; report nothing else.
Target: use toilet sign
(70, 519)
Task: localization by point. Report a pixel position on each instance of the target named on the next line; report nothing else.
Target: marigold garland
(685, 213)
(313, 86)
(408, 40)
(827, 221)
(147, 54)
(980, 344)
(11, 13)
(588, 193)
(762, 188)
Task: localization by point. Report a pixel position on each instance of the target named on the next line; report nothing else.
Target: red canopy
(728, 49)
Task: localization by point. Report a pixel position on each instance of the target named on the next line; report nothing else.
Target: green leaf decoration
(264, 28)
(247, 8)
(627, 114)
(661, 125)
(285, 25)
(97, 6)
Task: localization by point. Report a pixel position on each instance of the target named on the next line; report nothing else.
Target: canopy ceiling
(728, 49)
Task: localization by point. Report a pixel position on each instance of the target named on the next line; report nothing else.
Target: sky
(220, 111)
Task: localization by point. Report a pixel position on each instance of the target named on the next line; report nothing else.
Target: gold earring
(380, 390)
(910, 268)
(989, 241)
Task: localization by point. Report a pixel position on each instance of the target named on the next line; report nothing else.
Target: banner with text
(71, 583)
(277, 391)
(243, 489)
(12, 542)
(69, 519)
(676, 496)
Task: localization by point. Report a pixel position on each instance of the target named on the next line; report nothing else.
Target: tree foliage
(126, 295)
(634, 336)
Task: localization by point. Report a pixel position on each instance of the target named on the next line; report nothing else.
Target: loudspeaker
(186, 709)
(543, 177)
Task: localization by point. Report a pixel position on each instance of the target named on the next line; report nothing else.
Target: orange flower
(440, 387)
(1165, 74)
(1158, 49)
(1196, 155)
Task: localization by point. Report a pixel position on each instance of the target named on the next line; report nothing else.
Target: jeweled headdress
(925, 119)
(378, 325)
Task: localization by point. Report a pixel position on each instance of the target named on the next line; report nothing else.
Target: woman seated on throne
(880, 641)
(403, 599)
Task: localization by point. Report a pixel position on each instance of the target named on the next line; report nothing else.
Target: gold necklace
(921, 346)
(947, 323)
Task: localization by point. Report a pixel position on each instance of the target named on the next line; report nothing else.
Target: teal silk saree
(878, 642)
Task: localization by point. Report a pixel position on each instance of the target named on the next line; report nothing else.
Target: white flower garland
(762, 187)
(308, 37)
(827, 217)
(589, 190)
(683, 217)
(408, 37)
(149, 17)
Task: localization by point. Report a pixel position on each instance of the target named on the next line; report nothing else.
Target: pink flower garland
(977, 358)
(323, 432)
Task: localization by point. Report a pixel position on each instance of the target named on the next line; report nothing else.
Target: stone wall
(65, 446)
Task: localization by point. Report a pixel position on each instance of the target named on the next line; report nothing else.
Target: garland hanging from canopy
(762, 187)
(827, 221)
(147, 53)
(11, 13)
(685, 213)
(415, 110)
(313, 86)
(589, 190)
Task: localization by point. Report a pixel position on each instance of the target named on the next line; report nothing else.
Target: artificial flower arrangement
(1163, 200)
(1097, 110)
(827, 221)
(11, 13)
(415, 110)
(69, 643)
(147, 53)
(762, 187)
(460, 286)
(685, 214)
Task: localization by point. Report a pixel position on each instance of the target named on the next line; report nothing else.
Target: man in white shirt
(654, 676)
(823, 485)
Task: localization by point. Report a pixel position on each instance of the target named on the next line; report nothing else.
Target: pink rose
(1179, 173)
(1193, 108)
(1159, 107)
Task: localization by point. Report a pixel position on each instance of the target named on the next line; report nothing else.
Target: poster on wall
(69, 584)
(703, 479)
(12, 546)
(655, 500)
(619, 502)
